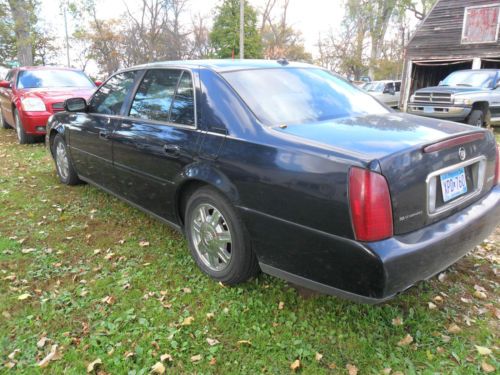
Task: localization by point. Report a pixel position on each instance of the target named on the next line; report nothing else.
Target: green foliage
(226, 30)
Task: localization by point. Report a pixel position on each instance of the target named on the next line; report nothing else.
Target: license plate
(428, 109)
(453, 184)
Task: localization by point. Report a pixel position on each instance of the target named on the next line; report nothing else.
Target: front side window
(300, 95)
(155, 94)
(110, 97)
(182, 111)
(31, 79)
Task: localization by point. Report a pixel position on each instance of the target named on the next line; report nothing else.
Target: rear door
(90, 132)
(156, 140)
(6, 99)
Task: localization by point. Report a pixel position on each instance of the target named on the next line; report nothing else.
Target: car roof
(224, 65)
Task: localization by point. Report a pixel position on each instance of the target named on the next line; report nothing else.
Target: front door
(156, 140)
(90, 133)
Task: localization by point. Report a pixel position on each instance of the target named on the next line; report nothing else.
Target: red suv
(30, 95)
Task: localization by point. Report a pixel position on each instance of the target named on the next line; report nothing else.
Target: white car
(387, 91)
(3, 72)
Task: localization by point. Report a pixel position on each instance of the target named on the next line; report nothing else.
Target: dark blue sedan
(285, 168)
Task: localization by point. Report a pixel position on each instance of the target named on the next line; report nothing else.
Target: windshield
(300, 95)
(469, 78)
(374, 86)
(29, 79)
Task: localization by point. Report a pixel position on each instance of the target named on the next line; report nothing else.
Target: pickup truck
(386, 91)
(470, 96)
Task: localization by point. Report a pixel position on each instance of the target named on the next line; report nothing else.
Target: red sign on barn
(481, 24)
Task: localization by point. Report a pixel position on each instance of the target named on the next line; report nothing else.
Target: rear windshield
(300, 95)
(29, 79)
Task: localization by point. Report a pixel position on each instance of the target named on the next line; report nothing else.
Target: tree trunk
(21, 15)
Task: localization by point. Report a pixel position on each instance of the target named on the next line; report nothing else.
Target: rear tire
(3, 123)
(217, 238)
(22, 137)
(476, 118)
(64, 167)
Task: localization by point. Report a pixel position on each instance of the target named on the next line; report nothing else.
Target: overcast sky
(311, 17)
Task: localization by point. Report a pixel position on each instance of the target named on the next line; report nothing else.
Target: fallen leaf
(398, 321)
(453, 328)
(24, 296)
(143, 243)
(295, 365)
(212, 342)
(187, 321)
(186, 290)
(432, 306)
(109, 300)
(93, 366)
(196, 358)
(129, 354)
(318, 356)
(387, 371)
(6, 315)
(213, 361)
(9, 365)
(210, 316)
(52, 356)
(438, 299)
(483, 350)
(244, 342)
(442, 277)
(41, 343)
(281, 305)
(332, 366)
(487, 367)
(166, 357)
(445, 338)
(158, 368)
(407, 340)
(353, 370)
(27, 251)
(13, 354)
(480, 295)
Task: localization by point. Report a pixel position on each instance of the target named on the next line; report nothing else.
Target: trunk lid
(396, 143)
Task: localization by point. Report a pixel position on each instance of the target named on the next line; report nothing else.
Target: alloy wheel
(211, 236)
(62, 161)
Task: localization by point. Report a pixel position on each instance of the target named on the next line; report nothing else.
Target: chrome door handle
(172, 150)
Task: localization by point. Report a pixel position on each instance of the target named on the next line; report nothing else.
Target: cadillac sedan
(285, 168)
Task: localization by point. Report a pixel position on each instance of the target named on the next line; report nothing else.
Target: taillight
(497, 166)
(370, 203)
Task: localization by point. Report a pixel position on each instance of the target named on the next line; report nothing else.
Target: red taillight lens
(371, 209)
(497, 166)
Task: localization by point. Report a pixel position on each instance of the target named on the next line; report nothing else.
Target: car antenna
(282, 61)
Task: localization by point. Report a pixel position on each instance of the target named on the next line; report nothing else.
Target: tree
(280, 39)
(8, 50)
(24, 17)
(225, 32)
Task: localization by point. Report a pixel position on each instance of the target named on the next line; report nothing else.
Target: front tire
(64, 166)
(22, 137)
(476, 118)
(217, 238)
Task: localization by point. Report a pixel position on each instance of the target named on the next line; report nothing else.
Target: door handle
(172, 150)
(104, 135)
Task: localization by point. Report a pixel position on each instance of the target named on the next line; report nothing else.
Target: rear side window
(398, 86)
(109, 98)
(155, 95)
(182, 111)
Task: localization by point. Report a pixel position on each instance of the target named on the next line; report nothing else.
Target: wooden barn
(455, 35)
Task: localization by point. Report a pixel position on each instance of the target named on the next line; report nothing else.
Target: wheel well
(53, 134)
(482, 106)
(185, 191)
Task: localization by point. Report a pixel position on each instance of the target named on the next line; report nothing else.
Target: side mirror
(98, 83)
(5, 84)
(75, 105)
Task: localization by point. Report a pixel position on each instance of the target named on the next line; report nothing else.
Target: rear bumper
(402, 260)
(439, 111)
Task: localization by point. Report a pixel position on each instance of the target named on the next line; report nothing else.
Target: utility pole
(67, 38)
(242, 29)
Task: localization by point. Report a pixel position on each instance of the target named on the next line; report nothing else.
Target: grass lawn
(89, 277)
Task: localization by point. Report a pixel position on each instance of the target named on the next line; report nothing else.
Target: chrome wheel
(62, 161)
(211, 236)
